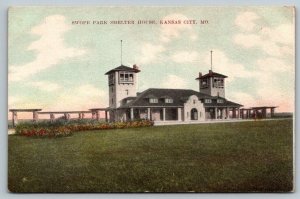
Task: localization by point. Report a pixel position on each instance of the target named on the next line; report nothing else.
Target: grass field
(229, 157)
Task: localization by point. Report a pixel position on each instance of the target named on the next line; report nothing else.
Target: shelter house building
(162, 105)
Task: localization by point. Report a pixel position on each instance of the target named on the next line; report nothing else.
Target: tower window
(122, 77)
(125, 77)
(219, 82)
(111, 79)
(204, 83)
(131, 77)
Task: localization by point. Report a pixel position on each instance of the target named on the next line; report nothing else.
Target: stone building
(180, 105)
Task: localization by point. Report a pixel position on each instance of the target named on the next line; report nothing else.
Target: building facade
(182, 105)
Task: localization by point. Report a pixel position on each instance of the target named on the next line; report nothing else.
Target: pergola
(15, 114)
(258, 111)
(96, 113)
(65, 113)
(35, 114)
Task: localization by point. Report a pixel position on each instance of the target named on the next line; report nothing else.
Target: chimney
(135, 67)
(210, 72)
(200, 75)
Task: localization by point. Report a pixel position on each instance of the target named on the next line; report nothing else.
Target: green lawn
(228, 157)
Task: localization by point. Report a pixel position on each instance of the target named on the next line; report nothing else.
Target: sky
(57, 65)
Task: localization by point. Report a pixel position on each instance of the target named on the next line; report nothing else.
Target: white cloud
(13, 101)
(267, 82)
(173, 31)
(150, 53)
(270, 47)
(222, 64)
(278, 45)
(247, 40)
(50, 48)
(246, 20)
(16, 102)
(283, 34)
(81, 98)
(271, 65)
(245, 99)
(44, 86)
(185, 56)
(275, 41)
(174, 81)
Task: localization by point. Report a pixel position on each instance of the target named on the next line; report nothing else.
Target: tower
(121, 83)
(212, 83)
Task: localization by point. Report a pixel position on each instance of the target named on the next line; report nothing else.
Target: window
(131, 77)
(194, 101)
(218, 82)
(127, 92)
(111, 79)
(204, 83)
(220, 101)
(125, 77)
(121, 76)
(112, 89)
(153, 100)
(207, 101)
(168, 100)
(112, 100)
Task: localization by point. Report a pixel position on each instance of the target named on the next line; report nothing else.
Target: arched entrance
(194, 114)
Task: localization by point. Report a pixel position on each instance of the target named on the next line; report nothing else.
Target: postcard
(151, 99)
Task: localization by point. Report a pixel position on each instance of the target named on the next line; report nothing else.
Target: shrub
(62, 128)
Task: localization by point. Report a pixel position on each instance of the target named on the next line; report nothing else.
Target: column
(216, 113)
(35, 116)
(97, 115)
(79, 115)
(179, 114)
(164, 114)
(14, 118)
(67, 116)
(264, 113)
(52, 117)
(148, 113)
(227, 113)
(239, 114)
(272, 112)
(82, 115)
(233, 113)
(106, 120)
(131, 114)
(223, 113)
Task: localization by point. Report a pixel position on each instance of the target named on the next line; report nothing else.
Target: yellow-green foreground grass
(229, 157)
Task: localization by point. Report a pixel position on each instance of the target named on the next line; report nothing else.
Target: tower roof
(210, 74)
(124, 68)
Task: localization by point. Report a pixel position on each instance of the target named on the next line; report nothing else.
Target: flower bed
(62, 129)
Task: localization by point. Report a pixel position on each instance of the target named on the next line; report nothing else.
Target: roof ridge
(171, 89)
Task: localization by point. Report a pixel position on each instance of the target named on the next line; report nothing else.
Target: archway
(194, 114)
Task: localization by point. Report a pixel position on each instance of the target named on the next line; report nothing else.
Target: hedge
(66, 128)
